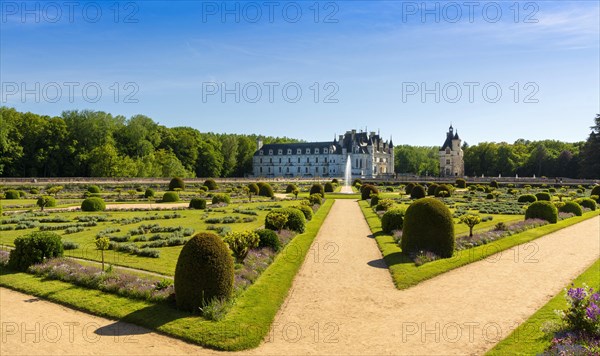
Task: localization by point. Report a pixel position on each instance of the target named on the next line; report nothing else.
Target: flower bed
(482, 238)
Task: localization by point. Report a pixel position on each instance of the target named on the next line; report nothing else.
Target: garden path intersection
(343, 301)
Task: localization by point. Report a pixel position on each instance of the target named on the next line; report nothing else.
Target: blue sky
(371, 62)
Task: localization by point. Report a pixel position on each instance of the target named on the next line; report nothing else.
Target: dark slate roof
(294, 146)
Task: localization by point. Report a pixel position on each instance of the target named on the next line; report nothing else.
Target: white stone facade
(451, 156)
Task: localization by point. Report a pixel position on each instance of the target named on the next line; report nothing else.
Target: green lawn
(244, 327)
(528, 339)
(404, 272)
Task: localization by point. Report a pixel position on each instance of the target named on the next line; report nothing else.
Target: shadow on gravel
(380, 263)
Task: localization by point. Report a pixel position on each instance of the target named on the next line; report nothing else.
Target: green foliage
(428, 226)
(375, 199)
(367, 190)
(494, 184)
(12, 194)
(527, 198)
(315, 199)
(461, 183)
(211, 184)
(277, 220)
(204, 272)
(470, 220)
(329, 188)
(176, 183)
(93, 204)
(543, 196)
(384, 205)
(240, 243)
(431, 189)
(296, 220)
(335, 181)
(149, 193)
(290, 188)
(46, 201)
(571, 207)
(197, 203)
(94, 189)
(393, 219)
(170, 197)
(439, 191)
(265, 190)
(34, 248)
(587, 203)
(595, 190)
(268, 238)
(306, 210)
(34, 191)
(317, 189)
(356, 182)
(417, 160)
(417, 192)
(409, 187)
(221, 198)
(542, 210)
(253, 188)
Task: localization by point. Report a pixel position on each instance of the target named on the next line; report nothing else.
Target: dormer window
(298, 151)
(324, 151)
(448, 150)
(279, 152)
(261, 152)
(270, 152)
(289, 151)
(316, 151)
(308, 151)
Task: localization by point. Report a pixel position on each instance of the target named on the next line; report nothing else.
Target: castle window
(307, 160)
(298, 151)
(447, 161)
(260, 169)
(289, 160)
(279, 169)
(298, 168)
(317, 160)
(448, 150)
(298, 159)
(306, 169)
(325, 151)
(270, 152)
(324, 170)
(261, 160)
(287, 170)
(280, 161)
(289, 151)
(270, 160)
(325, 159)
(308, 151)
(261, 152)
(279, 152)
(316, 151)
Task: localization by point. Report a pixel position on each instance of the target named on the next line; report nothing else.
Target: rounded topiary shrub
(375, 200)
(329, 188)
(221, 198)
(170, 197)
(149, 193)
(306, 210)
(443, 188)
(211, 184)
(11, 194)
(595, 190)
(417, 192)
(543, 196)
(409, 187)
(428, 226)
(393, 219)
(335, 181)
(356, 182)
(176, 183)
(253, 188)
(542, 210)
(290, 188)
(431, 189)
(265, 190)
(34, 248)
(296, 220)
(587, 203)
(46, 201)
(489, 196)
(494, 184)
(527, 198)
(268, 238)
(317, 189)
(204, 272)
(94, 189)
(366, 191)
(93, 204)
(34, 191)
(197, 203)
(571, 207)
(461, 183)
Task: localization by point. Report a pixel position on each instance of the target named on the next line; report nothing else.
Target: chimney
(259, 144)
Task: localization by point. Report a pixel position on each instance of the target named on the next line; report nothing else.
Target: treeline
(97, 144)
(548, 158)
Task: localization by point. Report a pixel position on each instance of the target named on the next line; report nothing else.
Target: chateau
(451, 156)
(369, 155)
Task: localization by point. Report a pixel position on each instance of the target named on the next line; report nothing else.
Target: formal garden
(212, 263)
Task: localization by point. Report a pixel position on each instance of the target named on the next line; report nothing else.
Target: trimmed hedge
(93, 204)
(542, 210)
(265, 190)
(587, 203)
(296, 220)
(306, 210)
(375, 200)
(176, 183)
(428, 226)
(595, 190)
(571, 207)
(197, 203)
(366, 191)
(393, 219)
(461, 183)
(34, 248)
(527, 198)
(543, 196)
(431, 189)
(290, 188)
(417, 192)
(253, 188)
(356, 182)
(317, 189)
(204, 272)
(268, 238)
(149, 193)
(329, 188)
(443, 188)
(170, 197)
(211, 184)
(94, 189)
(409, 187)
(12, 194)
(494, 184)
(221, 198)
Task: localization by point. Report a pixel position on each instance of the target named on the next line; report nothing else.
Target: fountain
(347, 177)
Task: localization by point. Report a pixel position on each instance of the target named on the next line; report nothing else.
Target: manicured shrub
(197, 203)
(11, 194)
(356, 182)
(176, 183)
(571, 207)
(393, 219)
(317, 189)
(443, 188)
(587, 203)
(268, 238)
(93, 204)
(428, 226)
(315, 199)
(489, 196)
(265, 190)
(204, 272)
(375, 199)
(527, 198)
(170, 197)
(595, 190)
(409, 187)
(367, 190)
(221, 198)
(46, 201)
(34, 248)
(461, 183)
(34, 191)
(384, 205)
(542, 210)
(306, 210)
(296, 220)
(94, 189)
(329, 188)
(211, 184)
(417, 192)
(149, 193)
(290, 188)
(240, 243)
(494, 184)
(253, 188)
(22, 194)
(543, 196)
(335, 181)
(431, 189)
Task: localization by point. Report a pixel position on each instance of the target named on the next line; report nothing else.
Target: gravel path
(343, 300)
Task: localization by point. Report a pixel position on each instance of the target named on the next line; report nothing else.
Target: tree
(102, 243)
(45, 201)
(470, 220)
(591, 152)
(210, 160)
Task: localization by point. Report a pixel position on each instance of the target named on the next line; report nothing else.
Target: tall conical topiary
(204, 272)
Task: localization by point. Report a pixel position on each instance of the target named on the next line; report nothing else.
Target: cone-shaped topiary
(393, 219)
(211, 184)
(542, 210)
(204, 272)
(93, 204)
(428, 226)
(571, 207)
(176, 183)
(417, 192)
